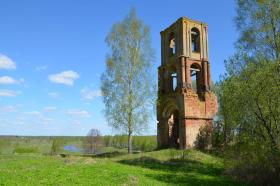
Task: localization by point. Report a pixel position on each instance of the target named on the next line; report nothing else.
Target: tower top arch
(183, 30)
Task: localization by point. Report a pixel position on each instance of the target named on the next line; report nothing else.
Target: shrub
(142, 143)
(203, 140)
(93, 142)
(26, 150)
(256, 164)
(57, 143)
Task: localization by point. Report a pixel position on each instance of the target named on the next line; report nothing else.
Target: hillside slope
(164, 167)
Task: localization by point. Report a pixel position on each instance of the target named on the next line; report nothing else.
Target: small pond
(71, 148)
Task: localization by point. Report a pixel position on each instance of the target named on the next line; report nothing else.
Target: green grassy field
(164, 167)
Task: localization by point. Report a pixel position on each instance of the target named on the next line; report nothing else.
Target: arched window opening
(173, 129)
(174, 81)
(193, 75)
(195, 37)
(172, 45)
(196, 77)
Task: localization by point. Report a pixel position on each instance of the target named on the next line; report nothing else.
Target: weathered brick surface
(194, 108)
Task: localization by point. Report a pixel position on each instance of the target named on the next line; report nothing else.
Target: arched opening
(171, 116)
(196, 77)
(172, 44)
(174, 81)
(173, 129)
(195, 37)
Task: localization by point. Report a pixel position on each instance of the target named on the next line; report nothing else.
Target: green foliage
(258, 24)
(128, 86)
(92, 143)
(57, 144)
(250, 102)
(142, 143)
(203, 139)
(251, 109)
(249, 95)
(218, 134)
(25, 150)
(254, 163)
(145, 143)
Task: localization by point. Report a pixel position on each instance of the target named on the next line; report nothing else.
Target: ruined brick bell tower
(186, 102)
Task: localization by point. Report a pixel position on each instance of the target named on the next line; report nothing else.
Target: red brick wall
(192, 127)
(198, 113)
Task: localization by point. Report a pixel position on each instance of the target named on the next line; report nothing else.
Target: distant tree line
(94, 143)
(140, 143)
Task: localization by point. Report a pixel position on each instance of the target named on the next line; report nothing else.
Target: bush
(218, 135)
(256, 164)
(203, 140)
(26, 150)
(57, 143)
(93, 142)
(142, 143)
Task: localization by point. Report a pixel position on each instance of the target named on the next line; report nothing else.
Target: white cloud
(34, 113)
(4, 123)
(76, 122)
(54, 94)
(41, 68)
(8, 108)
(39, 117)
(7, 80)
(20, 121)
(7, 63)
(46, 120)
(80, 113)
(8, 93)
(49, 109)
(89, 94)
(66, 77)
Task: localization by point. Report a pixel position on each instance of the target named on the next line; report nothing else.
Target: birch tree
(128, 82)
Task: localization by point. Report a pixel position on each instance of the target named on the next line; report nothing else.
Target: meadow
(112, 167)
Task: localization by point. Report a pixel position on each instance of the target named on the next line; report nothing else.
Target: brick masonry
(183, 109)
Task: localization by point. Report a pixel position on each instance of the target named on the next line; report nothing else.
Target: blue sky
(52, 54)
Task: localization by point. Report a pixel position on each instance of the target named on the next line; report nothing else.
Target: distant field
(165, 167)
(42, 144)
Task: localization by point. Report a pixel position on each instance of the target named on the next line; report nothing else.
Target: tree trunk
(129, 143)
